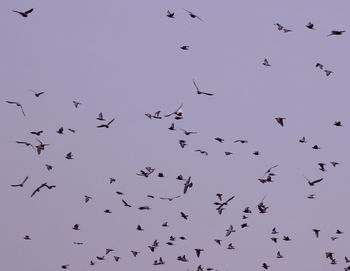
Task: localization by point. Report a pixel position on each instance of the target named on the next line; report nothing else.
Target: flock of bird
(221, 204)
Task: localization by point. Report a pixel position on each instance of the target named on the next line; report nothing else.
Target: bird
(41, 186)
(193, 15)
(201, 92)
(69, 156)
(107, 211)
(202, 152)
(111, 180)
(182, 143)
(227, 153)
(218, 241)
(322, 165)
(274, 231)
(170, 14)
(21, 184)
(18, 104)
(108, 250)
(334, 164)
(25, 13)
(76, 227)
(316, 147)
(126, 204)
(100, 117)
(105, 125)
(328, 72)
(134, 253)
(185, 47)
(219, 195)
(188, 132)
(48, 167)
(347, 260)
(101, 258)
(188, 184)
(65, 266)
(27, 237)
(60, 131)
(266, 62)
(317, 232)
(337, 123)
(229, 230)
(172, 127)
(336, 32)
(144, 208)
(279, 255)
(256, 153)
(286, 238)
(264, 265)
(310, 25)
(76, 104)
(230, 246)
(221, 140)
(302, 140)
(274, 239)
(287, 30)
(178, 112)
(37, 94)
(311, 196)
(339, 232)
(38, 133)
(319, 65)
(279, 26)
(170, 198)
(78, 243)
(280, 120)
(116, 258)
(160, 175)
(25, 143)
(312, 183)
(198, 251)
(184, 215)
(240, 141)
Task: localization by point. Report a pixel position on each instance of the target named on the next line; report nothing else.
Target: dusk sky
(123, 58)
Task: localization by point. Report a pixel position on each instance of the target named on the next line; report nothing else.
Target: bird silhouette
(105, 125)
(199, 91)
(192, 15)
(24, 13)
(18, 104)
(21, 184)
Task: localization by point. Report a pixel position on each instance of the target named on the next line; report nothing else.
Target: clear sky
(123, 58)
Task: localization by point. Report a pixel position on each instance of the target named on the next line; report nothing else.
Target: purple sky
(124, 58)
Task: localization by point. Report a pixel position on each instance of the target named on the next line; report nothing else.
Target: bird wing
(317, 181)
(25, 179)
(110, 122)
(29, 11)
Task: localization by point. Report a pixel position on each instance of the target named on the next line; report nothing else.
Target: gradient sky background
(123, 58)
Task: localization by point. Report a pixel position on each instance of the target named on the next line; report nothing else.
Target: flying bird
(76, 104)
(336, 32)
(319, 65)
(193, 15)
(188, 132)
(25, 13)
(69, 156)
(37, 94)
(178, 113)
(312, 183)
(170, 14)
(100, 117)
(41, 186)
(310, 25)
(229, 230)
(21, 184)
(185, 47)
(188, 184)
(266, 62)
(201, 92)
(18, 104)
(37, 133)
(202, 152)
(105, 125)
(25, 143)
(317, 232)
(280, 121)
(198, 251)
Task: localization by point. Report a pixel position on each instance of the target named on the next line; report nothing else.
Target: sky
(123, 58)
